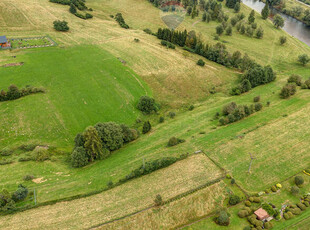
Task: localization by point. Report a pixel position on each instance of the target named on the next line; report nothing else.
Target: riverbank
(292, 26)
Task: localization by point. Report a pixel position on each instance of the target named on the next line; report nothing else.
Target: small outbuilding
(261, 214)
(4, 43)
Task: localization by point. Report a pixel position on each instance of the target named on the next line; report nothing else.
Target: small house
(261, 214)
(4, 42)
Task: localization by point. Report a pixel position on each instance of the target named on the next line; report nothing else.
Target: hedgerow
(14, 92)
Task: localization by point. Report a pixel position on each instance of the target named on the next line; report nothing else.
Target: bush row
(14, 92)
(119, 18)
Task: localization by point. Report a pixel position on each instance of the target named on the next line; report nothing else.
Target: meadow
(85, 83)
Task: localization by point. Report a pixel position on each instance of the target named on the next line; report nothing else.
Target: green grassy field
(84, 85)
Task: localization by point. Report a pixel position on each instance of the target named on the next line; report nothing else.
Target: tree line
(75, 5)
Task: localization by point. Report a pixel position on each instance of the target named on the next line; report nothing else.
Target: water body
(292, 26)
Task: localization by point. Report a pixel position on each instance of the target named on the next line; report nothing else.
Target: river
(292, 26)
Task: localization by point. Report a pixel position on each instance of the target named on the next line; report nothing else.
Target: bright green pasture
(84, 85)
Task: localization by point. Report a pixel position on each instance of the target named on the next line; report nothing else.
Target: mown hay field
(122, 200)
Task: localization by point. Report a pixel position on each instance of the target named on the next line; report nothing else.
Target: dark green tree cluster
(61, 25)
(278, 21)
(217, 53)
(233, 112)
(97, 142)
(306, 18)
(213, 11)
(75, 5)
(8, 201)
(232, 3)
(119, 18)
(147, 105)
(14, 92)
(253, 77)
(303, 59)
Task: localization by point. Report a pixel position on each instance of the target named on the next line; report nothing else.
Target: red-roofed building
(4, 42)
(261, 214)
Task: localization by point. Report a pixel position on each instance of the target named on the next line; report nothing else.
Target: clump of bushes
(167, 44)
(256, 99)
(268, 208)
(6, 152)
(74, 5)
(97, 142)
(147, 105)
(14, 92)
(119, 18)
(233, 112)
(61, 25)
(174, 141)
(8, 201)
(288, 90)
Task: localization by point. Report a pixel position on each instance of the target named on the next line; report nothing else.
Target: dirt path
(196, 23)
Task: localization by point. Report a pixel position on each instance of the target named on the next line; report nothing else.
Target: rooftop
(3, 39)
(261, 214)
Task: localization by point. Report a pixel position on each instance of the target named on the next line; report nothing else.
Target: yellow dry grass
(176, 213)
(130, 197)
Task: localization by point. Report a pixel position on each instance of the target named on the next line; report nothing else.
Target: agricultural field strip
(128, 198)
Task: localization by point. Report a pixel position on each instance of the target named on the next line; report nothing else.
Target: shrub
(200, 62)
(288, 90)
(251, 199)
(256, 200)
(229, 108)
(79, 140)
(174, 141)
(6, 152)
(147, 105)
(234, 199)
(27, 148)
(93, 144)
(268, 225)
(20, 194)
(158, 200)
(294, 190)
(191, 107)
(303, 59)
(247, 228)
(301, 206)
(256, 99)
(28, 177)
(247, 203)
(61, 25)
(171, 114)
(258, 106)
(146, 127)
(148, 31)
(161, 120)
(299, 180)
(296, 211)
(128, 133)
(294, 78)
(232, 181)
(228, 176)
(273, 188)
(40, 154)
(223, 218)
(242, 213)
(282, 40)
(79, 157)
